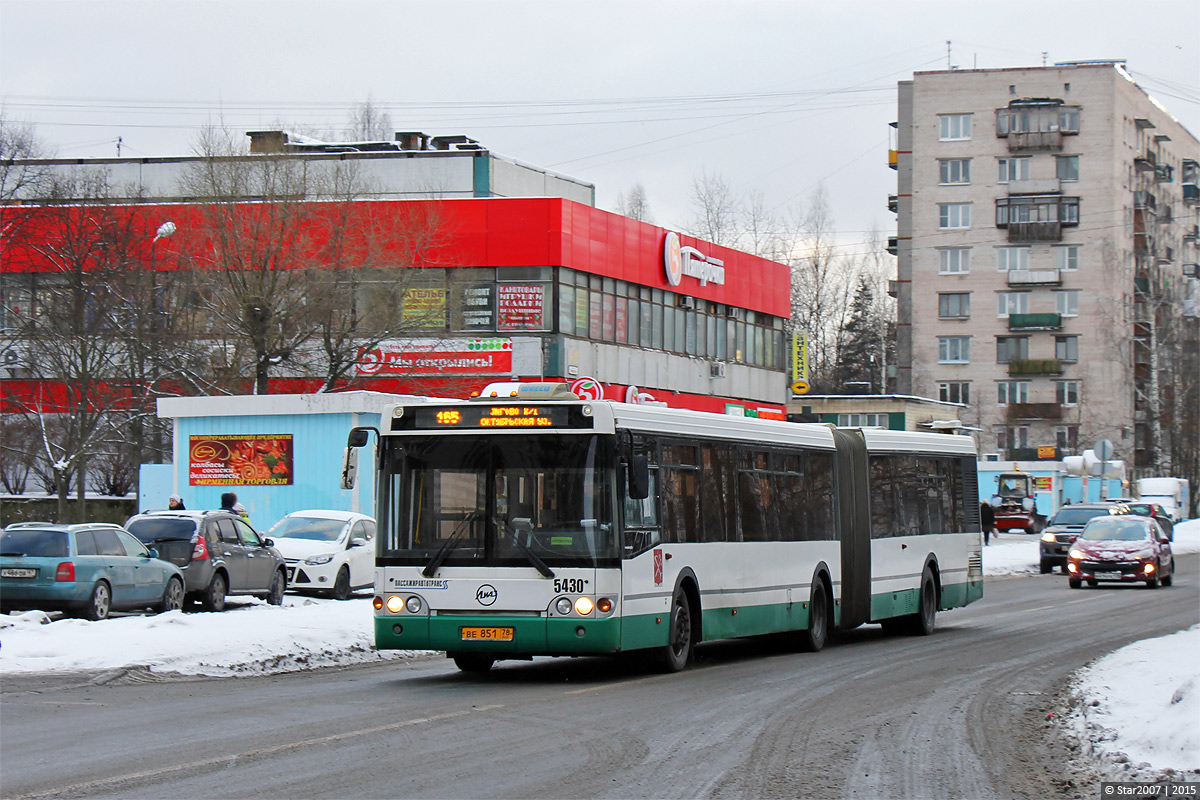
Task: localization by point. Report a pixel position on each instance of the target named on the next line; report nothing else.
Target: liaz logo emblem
(486, 595)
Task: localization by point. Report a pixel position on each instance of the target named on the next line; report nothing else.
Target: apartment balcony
(1034, 366)
(894, 159)
(893, 203)
(893, 244)
(1035, 141)
(1146, 162)
(1035, 322)
(1033, 411)
(1164, 173)
(1191, 270)
(1145, 201)
(1035, 231)
(1191, 193)
(1035, 277)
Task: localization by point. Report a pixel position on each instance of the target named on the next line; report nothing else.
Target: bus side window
(641, 520)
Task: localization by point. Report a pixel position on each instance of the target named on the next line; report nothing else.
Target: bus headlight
(395, 603)
(413, 605)
(563, 606)
(584, 606)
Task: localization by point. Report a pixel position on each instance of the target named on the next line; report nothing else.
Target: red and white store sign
(438, 357)
(680, 260)
(520, 307)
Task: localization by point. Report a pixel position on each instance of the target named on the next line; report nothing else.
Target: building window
(1014, 438)
(1012, 392)
(1011, 348)
(1037, 208)
(1066, 437)
(1014, 169)
(1066, 348)
(954, 127)
(1037, 117)
(955, 392)
(1011, 303)
(954, 215)
(954, 349)
(1067, 393)
(1012, 258)
(862, 420)
(955, 305)
(954, 170)
(1066, 302)
(1067, 168)
(954, 260)
(1066, 256)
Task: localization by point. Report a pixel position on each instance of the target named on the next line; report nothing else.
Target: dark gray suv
(218, 553)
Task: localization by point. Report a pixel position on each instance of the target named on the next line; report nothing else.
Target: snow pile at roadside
(249, 637)
(1139, 707)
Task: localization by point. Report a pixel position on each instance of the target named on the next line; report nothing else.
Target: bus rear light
(377, 603)
(604, 605)
(395, 604)
(584, 606)
(65, 572)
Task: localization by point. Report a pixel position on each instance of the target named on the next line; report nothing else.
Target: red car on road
(1123, 548)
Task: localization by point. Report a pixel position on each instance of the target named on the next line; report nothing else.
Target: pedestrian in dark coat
(987, 520)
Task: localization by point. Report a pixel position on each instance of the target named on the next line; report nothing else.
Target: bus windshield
(498, 501)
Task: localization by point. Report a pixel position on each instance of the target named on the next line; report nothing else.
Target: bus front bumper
(506, 635)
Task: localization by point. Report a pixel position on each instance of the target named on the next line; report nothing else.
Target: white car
(327, 551)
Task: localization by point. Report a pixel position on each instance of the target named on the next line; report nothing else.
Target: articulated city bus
(537, 523)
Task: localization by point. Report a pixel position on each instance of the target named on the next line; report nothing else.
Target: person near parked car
(228, 501)
(987, 520)
(176, 503)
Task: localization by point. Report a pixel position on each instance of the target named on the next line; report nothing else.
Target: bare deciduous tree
(369, 123)
(634, 203)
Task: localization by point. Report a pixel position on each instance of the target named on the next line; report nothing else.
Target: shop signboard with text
(438, 357)
(240, 460)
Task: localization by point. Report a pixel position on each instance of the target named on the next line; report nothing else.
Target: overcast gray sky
(775, 97)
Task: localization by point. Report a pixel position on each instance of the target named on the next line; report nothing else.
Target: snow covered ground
(1155, 725)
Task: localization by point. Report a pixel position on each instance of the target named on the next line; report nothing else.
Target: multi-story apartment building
(1047, 250)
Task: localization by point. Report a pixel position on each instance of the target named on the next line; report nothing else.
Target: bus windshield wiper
(449, 545)
(533, 558)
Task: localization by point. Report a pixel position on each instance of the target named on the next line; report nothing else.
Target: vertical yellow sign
(799, 356)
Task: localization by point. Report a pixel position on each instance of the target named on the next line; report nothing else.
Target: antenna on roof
(1044, 54)
(948, 55)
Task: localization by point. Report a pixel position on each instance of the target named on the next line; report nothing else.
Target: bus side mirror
(358, 438)
(639, 478)
(349, 467)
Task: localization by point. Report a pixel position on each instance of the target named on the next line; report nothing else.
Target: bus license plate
(487, 634)
(18, 573)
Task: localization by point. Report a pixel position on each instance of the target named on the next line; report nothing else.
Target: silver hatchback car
(218, 552)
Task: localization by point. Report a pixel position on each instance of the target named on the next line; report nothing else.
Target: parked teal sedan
(89, 570)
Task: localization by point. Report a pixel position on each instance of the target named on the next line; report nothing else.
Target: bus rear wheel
(813, 638)
(924, 621)
(473, 662)
(678, 652)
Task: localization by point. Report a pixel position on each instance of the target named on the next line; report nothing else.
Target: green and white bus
(536, 523)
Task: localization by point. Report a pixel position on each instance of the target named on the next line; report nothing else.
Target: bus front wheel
(678, 652)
